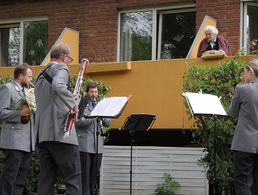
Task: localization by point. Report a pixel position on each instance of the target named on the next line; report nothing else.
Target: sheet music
(109, 107)
(204, 104)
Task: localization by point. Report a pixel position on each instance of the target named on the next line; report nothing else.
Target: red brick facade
(97, 20)
(227, 14)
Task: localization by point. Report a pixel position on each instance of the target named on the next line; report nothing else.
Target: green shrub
(168, 187)
(217, 80)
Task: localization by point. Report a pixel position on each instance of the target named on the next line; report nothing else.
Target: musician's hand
(25, 111)
(76, 111)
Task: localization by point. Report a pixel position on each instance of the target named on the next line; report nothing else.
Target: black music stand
(137, 122)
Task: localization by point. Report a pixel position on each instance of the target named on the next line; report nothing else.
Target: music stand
(137, 122)
(207, 105)
(111, 107)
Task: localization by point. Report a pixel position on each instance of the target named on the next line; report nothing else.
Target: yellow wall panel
(71, 38)
(155, 86)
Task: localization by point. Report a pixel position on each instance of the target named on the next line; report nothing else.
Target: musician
(17, 139)
(54, 102)
(90, 140)
(245, 145)
(213, 43)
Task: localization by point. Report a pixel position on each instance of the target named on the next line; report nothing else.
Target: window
(23, 41)
(156, 34)
(136, 35)
(177, 32)
(250, 28)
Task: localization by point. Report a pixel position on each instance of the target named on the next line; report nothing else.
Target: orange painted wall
(155, 86)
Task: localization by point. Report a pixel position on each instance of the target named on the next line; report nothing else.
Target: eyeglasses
(70, 58)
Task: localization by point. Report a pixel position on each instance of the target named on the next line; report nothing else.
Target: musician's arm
(59, 86)
(83, 122)
(8, 111)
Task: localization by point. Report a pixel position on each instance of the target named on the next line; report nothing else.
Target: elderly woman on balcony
(213, 43)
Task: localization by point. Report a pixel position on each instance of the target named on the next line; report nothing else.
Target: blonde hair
(252, 65)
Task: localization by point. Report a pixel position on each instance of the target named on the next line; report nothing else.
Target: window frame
(20, 22)
(244, 24)
(179, 8)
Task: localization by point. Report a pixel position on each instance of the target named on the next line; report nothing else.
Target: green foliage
(5, 80)
(103, 88)
(1, 160)
(241, 52)
(32, 179)
(217, 80)
(141, 47)
(168, 187)
(35, 41)
(35, 165)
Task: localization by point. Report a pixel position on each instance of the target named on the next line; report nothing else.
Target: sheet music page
(111, 106)
(205, 104)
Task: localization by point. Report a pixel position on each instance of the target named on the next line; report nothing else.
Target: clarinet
(71, 116)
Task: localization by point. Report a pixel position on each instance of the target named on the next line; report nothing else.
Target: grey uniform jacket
(245, 106)
(87, 129)
(14, 134)
(53, 104)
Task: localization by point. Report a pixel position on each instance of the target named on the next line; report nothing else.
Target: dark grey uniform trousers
(90, 164)
(245, 173)
(57, 156)
(16, 168)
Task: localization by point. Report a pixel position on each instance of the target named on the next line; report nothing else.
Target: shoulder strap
(45, 74)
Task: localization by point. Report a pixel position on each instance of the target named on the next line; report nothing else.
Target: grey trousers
(16, 168)
(245, 173)
(90, 164)
(57, 156)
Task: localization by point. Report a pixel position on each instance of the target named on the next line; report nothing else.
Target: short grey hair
(211, 28)
(59, 50)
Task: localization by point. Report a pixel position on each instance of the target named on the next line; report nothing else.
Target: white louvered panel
(149, 165)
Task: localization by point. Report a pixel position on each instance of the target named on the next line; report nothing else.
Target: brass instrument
(29, 102)
(30, 97)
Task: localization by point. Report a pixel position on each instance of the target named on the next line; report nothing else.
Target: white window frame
(155, 11)
(244, 23)
(21, 21)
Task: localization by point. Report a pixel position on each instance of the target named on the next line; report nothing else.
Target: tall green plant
(217, 80)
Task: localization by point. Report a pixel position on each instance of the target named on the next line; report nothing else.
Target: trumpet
(28, 101)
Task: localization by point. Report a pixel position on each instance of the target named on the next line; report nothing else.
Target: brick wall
(96, 20)
(227, 14)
